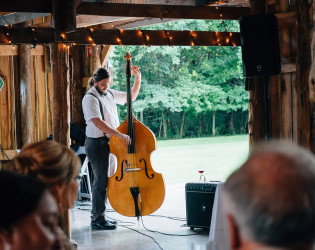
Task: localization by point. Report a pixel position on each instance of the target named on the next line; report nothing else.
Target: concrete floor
(130, 233)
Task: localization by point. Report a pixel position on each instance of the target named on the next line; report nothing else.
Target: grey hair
(272, 195)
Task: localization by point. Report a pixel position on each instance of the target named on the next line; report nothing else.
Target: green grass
(180, 160)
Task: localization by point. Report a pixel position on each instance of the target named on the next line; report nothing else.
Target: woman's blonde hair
(48, 161)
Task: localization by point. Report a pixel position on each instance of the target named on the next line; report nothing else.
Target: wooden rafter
(85, 36)
(19, 17)
(41, 6)
(162, 11)
(134, 23)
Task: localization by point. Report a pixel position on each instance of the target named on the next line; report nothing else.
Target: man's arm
(137, 83)
(106, 128)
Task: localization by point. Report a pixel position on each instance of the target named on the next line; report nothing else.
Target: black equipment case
(199, 203)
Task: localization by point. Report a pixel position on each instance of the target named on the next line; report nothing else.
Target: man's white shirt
(91, 109)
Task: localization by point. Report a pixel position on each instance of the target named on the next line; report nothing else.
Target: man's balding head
(272, 196)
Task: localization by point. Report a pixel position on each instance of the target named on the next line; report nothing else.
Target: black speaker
(199, 203)
(260, 45)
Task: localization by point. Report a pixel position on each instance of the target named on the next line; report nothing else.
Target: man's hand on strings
(125, 138)
(135, 71)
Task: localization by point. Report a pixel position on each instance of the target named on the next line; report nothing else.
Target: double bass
(135, 189)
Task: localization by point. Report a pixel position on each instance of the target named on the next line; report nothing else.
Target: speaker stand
(267, 100)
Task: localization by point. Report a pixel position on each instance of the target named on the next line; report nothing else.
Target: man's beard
(99, 91)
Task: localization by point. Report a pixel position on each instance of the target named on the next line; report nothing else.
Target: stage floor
(130, 233)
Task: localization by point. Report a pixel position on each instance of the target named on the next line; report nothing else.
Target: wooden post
(76, 88)
(61, 107)
(256, 121)
(27, 122)
(64, 15)
(303, 65)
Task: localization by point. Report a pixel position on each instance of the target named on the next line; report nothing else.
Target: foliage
(182, 86)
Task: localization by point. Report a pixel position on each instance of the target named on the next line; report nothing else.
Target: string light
(33, 35)
(118, 39)
(168, 37)
(192, 36)
(90, 38)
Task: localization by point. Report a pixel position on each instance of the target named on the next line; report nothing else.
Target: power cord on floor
(153, 231)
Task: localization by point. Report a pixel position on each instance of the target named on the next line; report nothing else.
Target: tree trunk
(182, 125)
(199, 132)
(141, 116)
(213, 123)
(161, 123)
(164, 127)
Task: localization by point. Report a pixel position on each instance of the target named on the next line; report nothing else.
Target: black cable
(143, 234)
(168, 217)
(153, 231)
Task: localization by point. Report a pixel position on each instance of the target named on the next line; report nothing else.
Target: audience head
(270, 199)
(54, 164)
(28, 214)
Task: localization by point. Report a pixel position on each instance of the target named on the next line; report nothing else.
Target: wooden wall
(10, 105)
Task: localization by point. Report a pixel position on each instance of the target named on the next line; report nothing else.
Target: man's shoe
(114, 222)
(105, 225)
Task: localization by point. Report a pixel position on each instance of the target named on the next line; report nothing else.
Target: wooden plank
(11, 153)
(7, 125)
(41, 6)
(311, 79)
(105, 54)
(16, 73)
(303, 66)
(285, 103)
(41, 93)
(134, 23)
(275, 109)
(34, 98)
(13, 50)
(19, 17)
(48, 80)
(123, 37)
(89, 20)
(162, 11)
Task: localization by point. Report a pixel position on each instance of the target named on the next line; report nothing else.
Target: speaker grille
(199, 203)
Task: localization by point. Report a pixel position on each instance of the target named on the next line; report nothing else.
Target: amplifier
(199, 203)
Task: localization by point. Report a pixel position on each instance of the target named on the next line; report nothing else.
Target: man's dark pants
(97, 150)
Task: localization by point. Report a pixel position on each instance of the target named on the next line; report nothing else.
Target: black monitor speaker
(260, 45)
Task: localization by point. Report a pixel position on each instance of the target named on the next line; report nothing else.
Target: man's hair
(272, 195)
(98, 75)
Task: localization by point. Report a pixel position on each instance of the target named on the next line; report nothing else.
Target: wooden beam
(9, 50)
(88, 20)
(135, 22)
(19, 17)
(162, 11)
(120, 37)
(180, 2)
(41, 6)
(64, 15)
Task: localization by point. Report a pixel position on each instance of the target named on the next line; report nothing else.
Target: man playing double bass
(101, 117)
